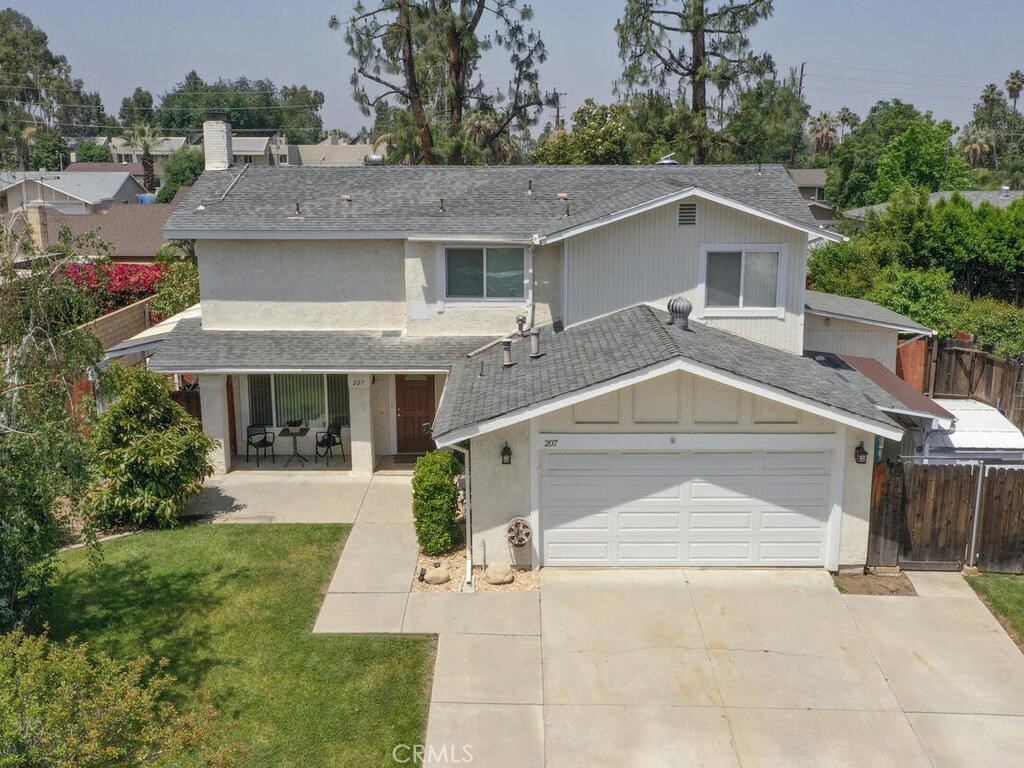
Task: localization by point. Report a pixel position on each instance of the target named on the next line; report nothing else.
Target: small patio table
(295, 434)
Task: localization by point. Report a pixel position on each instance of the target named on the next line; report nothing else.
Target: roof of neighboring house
(250, 145)
(135, 231)
(914, 401)
(978, 427)
(808, 177)
(627, 342)
(162, 146)
(1001, 198)
(190, 349)
(325, 153)
(508, 203)
(860, 311)
(90, 187)
(135, 169)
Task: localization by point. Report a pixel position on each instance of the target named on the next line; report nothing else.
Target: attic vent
(687, 214)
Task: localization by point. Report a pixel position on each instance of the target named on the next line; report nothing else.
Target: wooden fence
(923, 517)
(962, 371)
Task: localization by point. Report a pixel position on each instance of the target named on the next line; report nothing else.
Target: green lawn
(231, 607)
(1005, 593)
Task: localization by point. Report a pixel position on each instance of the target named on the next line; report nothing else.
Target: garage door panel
(741, 509)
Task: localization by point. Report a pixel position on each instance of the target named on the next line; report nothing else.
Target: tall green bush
(435, 499)
(152, 456)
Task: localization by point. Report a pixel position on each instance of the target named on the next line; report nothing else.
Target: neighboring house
(123, 152)
(135, 169)
(134, 231)
(75, 141)
(74, 193)
(389, 298)
(856, 327)
(1001, 198)
(254, 150)
(811, 183)
(334, 152)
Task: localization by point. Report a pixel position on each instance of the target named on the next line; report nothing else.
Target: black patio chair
(326, 440)
(259, 438)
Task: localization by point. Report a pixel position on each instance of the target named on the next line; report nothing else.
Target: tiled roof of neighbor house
(162, 146)
(327, 154)
(135, 231)
(808, 177)
(626, 342)
(190, 349)
(92, 187)
(1000, 198)
(135, 169)
(508, 202)
(859, 310)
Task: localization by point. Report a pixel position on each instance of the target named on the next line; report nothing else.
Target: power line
(838, 78)
(932, 75)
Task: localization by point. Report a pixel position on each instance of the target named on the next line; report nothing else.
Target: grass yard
(231, 607)
(1004, 593)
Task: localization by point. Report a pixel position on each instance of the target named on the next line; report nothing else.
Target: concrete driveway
(772, 668)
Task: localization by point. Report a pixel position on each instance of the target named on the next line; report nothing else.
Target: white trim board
(793, 401)
(865, 321)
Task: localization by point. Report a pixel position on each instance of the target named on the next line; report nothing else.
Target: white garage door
(684, 508)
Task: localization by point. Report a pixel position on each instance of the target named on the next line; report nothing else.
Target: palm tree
(990, 98)
(823, 133)
(847, 119)
(975, 143)
(1014, 85)
(142, 137)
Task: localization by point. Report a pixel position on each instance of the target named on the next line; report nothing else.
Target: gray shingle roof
(1001, 198)
(492, 201)
(609, 347)
(190, 349)
(861, 310)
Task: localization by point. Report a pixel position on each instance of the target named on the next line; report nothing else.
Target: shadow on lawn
(127, 609)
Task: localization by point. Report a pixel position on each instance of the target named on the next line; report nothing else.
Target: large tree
(768, 118)
(423, 56)
(137, 108)
(141, 137)
(686, 45)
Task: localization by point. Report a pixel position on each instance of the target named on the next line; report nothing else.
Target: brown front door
(414, 399)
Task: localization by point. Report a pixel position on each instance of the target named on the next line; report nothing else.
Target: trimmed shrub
(435, 501)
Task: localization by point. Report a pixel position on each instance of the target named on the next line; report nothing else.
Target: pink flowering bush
(115, 285)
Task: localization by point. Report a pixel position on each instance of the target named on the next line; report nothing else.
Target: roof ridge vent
(679, 309)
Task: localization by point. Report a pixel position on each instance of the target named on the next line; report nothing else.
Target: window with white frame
(741, 278)
(315, 398)
(484, 273)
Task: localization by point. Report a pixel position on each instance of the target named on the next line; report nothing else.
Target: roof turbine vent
(680, 308)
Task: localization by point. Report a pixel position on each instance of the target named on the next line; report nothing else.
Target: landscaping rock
(499, 573)
(440, 575)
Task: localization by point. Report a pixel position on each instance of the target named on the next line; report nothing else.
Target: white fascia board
(802, 404)
(184, 233)
(682, 195)
(938, 422)
(866, 321)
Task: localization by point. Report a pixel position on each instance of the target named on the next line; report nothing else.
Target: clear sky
(936, 54)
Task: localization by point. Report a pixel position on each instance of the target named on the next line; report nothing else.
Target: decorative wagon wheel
(519, 532)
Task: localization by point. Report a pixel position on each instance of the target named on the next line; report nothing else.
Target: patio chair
(326, 440)
(259, 438)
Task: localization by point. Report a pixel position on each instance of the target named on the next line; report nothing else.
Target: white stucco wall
(844, 337)
(853, 545)
(500, 492)
(364, 455)
(308, 284)
(430, 313)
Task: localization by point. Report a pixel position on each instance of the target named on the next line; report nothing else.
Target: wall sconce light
(506, 455)
(860, 455)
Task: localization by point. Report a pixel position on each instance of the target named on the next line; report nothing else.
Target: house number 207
(551, 443)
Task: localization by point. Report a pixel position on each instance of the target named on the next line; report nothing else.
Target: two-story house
(521, 314)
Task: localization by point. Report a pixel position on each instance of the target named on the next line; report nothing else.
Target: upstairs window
(748, 279)
(484, 273)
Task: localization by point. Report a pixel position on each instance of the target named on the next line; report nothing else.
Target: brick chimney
(217, 145)
(35, 215)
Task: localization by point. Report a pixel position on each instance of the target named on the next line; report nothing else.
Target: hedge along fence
(435, 501)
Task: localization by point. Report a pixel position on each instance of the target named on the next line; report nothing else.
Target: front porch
(381, 415)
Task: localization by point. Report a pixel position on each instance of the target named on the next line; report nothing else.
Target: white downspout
(469, 515)
(529, 290)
